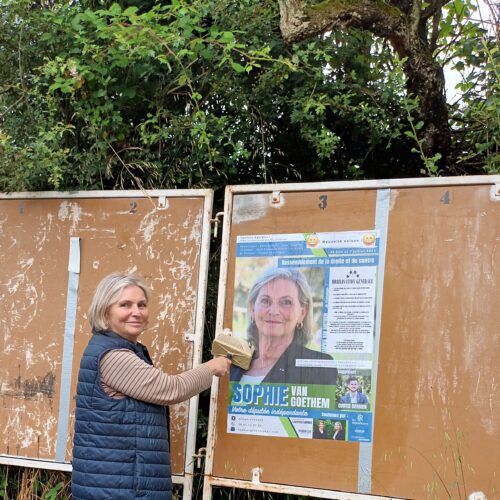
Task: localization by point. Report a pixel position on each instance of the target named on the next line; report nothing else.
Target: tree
(100, 95)
(403, 23)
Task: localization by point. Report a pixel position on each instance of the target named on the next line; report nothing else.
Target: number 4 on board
(445, 198)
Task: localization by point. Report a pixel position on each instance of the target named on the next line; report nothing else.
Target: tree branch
(436, 19)
(298, 23)
(434, 7)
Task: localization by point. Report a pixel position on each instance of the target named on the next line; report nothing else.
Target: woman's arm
(124, 374)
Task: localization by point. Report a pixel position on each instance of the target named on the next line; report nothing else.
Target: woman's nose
(273, 308)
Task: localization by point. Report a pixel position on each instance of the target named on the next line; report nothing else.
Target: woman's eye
(286, 302)
(265, 301)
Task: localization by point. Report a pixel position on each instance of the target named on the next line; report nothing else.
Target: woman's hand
(220, 366)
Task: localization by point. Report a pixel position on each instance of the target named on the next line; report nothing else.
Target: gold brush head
(238, 350)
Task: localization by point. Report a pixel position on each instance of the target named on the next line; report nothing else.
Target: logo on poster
(312, 241)
(369, 239)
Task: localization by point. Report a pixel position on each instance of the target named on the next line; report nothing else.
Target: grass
(19, 483)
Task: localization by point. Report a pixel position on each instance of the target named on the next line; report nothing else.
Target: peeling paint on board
(394, 198)
(148, 224)
(14, 283)
(43, 231)
(179, 415)
(38, 435)
(71, 211)
(250, 207)
(195, 234)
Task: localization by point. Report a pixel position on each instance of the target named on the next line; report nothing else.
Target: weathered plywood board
(438, 367)
(437, 410)
(159, 236)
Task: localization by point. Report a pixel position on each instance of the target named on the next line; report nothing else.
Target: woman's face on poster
(277, 309)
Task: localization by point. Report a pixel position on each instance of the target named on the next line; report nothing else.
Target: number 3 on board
(323, 201)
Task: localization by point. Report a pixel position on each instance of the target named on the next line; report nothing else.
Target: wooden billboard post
(56, 247)
(433, 388)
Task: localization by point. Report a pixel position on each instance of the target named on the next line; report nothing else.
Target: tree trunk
(425, 80)
(403, 24)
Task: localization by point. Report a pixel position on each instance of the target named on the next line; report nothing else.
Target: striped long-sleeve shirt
(124, 374)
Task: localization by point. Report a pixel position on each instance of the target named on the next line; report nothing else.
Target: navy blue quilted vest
(120, 446)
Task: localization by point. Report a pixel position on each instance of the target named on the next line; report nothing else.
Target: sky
(453, 77)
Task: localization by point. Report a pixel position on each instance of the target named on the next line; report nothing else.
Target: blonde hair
(303, 333)
(107, 292)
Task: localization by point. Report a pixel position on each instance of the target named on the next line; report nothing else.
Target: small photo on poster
(324, 428)
(320, 429)
(354, 392)
(339, 430)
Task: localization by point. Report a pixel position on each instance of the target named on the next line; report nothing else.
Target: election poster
(306, 303)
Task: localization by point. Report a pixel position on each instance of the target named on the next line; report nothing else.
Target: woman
(320, 431)
(280, 312)
(338, 432)
(121, 446)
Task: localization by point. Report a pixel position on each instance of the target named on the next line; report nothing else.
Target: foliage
(420, 33)
(472, 50)
(191, 94)
(122, 93)
(430, 164)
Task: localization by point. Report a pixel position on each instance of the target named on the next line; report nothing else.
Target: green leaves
(238, 67)
(203, 93)
(471, 50)
(226, 37)
(135, 84)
